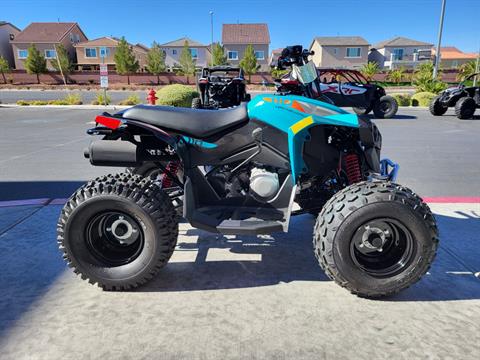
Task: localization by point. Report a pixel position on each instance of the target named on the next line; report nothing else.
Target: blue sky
(290, 22)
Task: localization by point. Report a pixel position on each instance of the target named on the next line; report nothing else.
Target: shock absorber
(353, 170)
(172, 168)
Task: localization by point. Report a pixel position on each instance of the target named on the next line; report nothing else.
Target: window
(50, 54)
(454, 63)
(260, 55)
(193, 52)
(353, 52)
(397, 54)
(174, 51)
(90, 52)
(233, 55)
(105, 53)
(22, 54)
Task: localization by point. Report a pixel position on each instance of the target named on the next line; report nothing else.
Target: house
(89, 53)
(173, 49)
(45, 37)
(339, 51)
(451, 57)
(272, 61)
(8, 32)
(236, 37)
(400, 52)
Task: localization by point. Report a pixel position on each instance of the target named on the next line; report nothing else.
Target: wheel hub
(123, 231)
(374, 238)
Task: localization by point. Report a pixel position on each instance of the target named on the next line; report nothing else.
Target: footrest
(249, 227)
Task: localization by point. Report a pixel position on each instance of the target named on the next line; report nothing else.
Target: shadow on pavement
(31, 263)
(20, 190)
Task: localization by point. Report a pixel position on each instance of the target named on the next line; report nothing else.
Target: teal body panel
(294, 115)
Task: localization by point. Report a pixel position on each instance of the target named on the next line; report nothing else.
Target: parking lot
(233, 297)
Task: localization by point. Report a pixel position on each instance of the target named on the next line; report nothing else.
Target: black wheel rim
(385, 107)
(114, 238)
(382, 247)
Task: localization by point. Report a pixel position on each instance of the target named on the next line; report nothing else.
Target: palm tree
(369, 70)
(466, 70)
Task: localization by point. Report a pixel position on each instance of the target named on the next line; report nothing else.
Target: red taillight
(109, 122)
(203, 81)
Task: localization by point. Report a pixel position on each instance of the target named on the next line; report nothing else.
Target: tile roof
(103, 41)
(181, 41)
(8, 23)
(452, 53)
(245, 34)
(44, 32)
(340, 40)
(400, 41)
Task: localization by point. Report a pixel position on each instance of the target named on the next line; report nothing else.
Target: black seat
(197, 123)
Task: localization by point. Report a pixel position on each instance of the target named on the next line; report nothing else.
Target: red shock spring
(172, 168)
(352, 164)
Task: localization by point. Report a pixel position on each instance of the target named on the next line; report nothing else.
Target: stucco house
(339, 51)
(45, 37)
(89, 56)
(236, 37)
(452, 58)
(200, 52)
(8, 32)
(400, 52)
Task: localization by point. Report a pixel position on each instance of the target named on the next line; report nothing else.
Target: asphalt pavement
(232, 297)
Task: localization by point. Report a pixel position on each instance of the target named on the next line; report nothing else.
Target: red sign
(103, 70)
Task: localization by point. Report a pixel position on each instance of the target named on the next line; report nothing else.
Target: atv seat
(197, 123)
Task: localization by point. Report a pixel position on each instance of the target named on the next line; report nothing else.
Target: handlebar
(293, 55)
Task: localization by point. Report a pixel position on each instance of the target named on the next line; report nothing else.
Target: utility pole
(477, 68)
(211, 40)
(440, 29)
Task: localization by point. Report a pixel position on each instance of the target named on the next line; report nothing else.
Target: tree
(249, 62)
(218, 55)
(62, 63)
(425, 82)
(4, 67)
(125, 61)
(156, 61)
(466, 70)
(35, 62)
(186, 61)
(369, 70)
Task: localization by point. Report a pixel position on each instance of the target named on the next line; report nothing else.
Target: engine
(261, 183)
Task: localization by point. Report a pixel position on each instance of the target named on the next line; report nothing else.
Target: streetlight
(211, 40)
(437, 57)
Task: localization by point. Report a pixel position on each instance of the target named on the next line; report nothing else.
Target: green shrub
(131, 100)
(73, 99)
(422, 98)
(23, 102)
(402, 99)
(100, 100)
(176, 95)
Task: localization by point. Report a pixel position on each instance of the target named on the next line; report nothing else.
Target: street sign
(103, 52)
(103, 70)
(104, 81)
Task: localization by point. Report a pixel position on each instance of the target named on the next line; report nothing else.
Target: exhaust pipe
(113, 153)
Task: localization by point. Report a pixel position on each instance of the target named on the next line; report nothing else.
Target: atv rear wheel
(386, 107)
(465, 108)
(362, 111)
(436, 107)
(197, 103)
(118, 231)
(375, 238)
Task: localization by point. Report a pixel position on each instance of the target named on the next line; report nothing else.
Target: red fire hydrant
(151, 98)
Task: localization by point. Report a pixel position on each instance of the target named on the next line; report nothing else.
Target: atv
(341, 87)
(242, 170)
(220, 87)
(464, 98)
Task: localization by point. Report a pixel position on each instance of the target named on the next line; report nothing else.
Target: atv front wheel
(436, 107)
(118, 231)
(362, 111)
(386, 107)
(197, 103)
(375, 238)
(465, 108)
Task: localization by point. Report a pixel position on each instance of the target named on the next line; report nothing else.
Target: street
(233, 297)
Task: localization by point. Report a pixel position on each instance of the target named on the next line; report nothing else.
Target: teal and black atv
(242, 170)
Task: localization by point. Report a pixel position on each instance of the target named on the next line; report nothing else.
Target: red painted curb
(452, 200)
